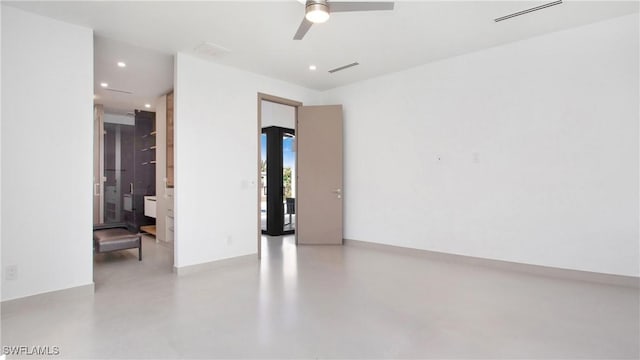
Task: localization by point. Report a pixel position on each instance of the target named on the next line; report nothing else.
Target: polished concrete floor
(328, 302)
(289, 221)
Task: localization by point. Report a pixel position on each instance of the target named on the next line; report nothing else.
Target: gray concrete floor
(328, 302)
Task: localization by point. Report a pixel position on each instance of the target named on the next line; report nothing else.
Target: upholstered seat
(114, 237)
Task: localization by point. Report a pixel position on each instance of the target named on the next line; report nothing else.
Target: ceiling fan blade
(305, 25)
(345, 6)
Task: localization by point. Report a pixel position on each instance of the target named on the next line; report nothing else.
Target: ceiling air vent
(344, 67)
(119, 91)
(207, 49)
(544, 6)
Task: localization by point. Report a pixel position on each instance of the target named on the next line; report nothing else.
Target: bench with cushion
(115, 237)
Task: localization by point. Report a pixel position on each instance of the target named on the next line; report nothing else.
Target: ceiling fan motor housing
(316, 7)
(317, 2)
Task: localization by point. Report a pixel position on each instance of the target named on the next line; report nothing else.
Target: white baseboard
(52, 296)
(540, 270)
(216, 264)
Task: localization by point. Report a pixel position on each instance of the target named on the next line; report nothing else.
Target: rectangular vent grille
(120, 91)
(344, 67)
(544, 6)
(208, 49)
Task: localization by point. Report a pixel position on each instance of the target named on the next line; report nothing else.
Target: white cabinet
(150, 206)
(169, 217)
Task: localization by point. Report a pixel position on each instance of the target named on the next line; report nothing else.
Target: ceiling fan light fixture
(317, 12)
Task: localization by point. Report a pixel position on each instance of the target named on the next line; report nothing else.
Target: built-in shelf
(153, 133)
(152, 162)
(150, 229)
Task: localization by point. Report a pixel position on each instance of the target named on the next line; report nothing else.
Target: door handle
(338, 193)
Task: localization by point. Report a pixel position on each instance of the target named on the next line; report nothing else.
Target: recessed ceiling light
(121, 64)
(104, 84)
(147, 105)
(312, 67)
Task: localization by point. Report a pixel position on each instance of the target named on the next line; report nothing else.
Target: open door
(319, 164)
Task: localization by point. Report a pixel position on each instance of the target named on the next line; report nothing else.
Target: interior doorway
(277, 166)
(278, 179)
(133, 161)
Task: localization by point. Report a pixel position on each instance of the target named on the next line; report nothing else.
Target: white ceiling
(259, 34)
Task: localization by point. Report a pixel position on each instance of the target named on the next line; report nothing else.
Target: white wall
(47, 89)
(526, 152)
(274, 114)
(216, 135)
(1, 267)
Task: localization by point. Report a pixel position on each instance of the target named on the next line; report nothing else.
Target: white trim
(51, 296)
(216, 264)
(538, 270)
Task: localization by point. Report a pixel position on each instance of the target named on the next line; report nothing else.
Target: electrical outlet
(11, 272)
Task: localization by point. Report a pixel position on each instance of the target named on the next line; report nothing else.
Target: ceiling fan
(317, 11)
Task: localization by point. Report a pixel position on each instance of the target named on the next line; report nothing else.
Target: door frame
(98, 164)
(282, 101)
